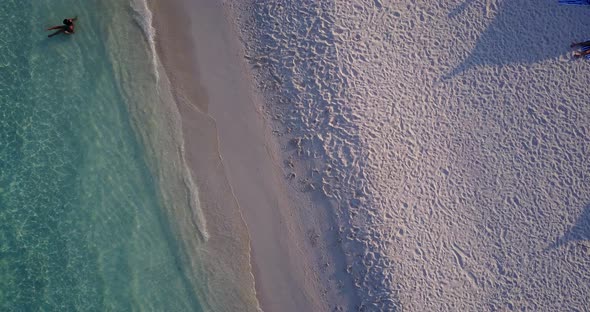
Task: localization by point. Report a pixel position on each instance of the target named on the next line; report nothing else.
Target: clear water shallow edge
(82, 226)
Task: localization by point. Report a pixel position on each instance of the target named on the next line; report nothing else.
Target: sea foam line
(144, 18)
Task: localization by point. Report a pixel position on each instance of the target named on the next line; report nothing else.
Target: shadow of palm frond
(526, 32)
(580, 231)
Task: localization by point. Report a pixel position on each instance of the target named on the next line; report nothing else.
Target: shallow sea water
(81, 222)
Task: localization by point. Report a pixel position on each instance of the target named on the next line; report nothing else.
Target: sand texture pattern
(453, 136)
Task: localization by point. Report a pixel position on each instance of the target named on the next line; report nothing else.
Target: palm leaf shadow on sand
(580, 231)
(525, 32)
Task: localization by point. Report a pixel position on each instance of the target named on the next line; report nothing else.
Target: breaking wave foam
(144, 18)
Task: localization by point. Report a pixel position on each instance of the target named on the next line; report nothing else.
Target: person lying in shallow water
(584, 48)
(66, 28)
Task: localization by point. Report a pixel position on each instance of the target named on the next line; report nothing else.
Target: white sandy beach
(428, 156)
(453, 135)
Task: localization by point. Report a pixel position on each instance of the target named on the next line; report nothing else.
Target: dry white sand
(453, 135)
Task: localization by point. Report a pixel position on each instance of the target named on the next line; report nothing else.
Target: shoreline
(223, 260)
(235, 159)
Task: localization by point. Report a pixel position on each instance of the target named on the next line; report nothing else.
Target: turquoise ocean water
(82, 225)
